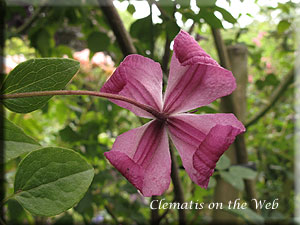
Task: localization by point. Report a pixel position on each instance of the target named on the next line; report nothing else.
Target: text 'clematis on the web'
(142, 154)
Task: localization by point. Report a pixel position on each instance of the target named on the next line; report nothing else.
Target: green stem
(147, 108)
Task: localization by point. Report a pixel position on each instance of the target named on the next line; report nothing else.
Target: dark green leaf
(271, 79)
(260, 84)
(69, 135)
(172, 29)
(65, 219)
(51, 180)
(226, 15)
(37, 75)
(98, 41)
(141, 29)
(16, 142)
(41, 40)
(208, 15)
(16, 212)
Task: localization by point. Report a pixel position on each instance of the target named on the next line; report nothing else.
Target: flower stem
(147, 108)
(178, 190)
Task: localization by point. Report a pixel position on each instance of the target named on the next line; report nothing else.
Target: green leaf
(242, 172)
(283, 26)
(15, 212)
(223, 163)
(51, 180)
(98, 41)
(226, 15)
(208, 15)
(235, 181)
(247, 214)
(141, 29)
(205, 3)
(131, 9)
(212, 182)
(41, 40)
(16, 142)
(271, 79)
(44, 74)
(172, 29)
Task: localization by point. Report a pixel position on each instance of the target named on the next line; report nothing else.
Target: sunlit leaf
(283, 26)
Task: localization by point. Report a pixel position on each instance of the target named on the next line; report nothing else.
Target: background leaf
(235, 181)
(242, 172)
(283, 26)
(52, 180)
(226, 15)
(16, 142)
(208, 15)
(98, 41)
(37, 75)
(223, 163)
(247, 214)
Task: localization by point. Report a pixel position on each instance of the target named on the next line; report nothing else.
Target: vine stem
(147, 108)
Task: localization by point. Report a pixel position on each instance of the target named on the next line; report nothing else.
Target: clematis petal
(195, 79)
(210, 150)
(201, 140)
(140, 79)
(142, 156)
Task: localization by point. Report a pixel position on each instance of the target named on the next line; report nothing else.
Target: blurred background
(255, 39)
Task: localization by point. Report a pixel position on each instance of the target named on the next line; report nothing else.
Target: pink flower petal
(140, 79)
(195, 78)
(210, 150)
(194, 137)
(142, 156)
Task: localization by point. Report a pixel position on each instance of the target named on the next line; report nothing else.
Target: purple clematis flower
(142, 154)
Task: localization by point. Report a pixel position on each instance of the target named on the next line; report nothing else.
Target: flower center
(161, 116)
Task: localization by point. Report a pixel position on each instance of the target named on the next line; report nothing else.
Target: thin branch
(154, 211)
(178, 190)
(221, 48)
(110, 212)
(163, 215)
(227, 101)
(277, 93)
(162, 11)
(113, 18)
(147, 108)
(192, 27)
(166, 56)
(152, 44)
